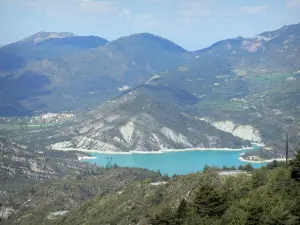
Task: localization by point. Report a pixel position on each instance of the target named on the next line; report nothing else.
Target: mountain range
(153, 94)
(75, 72)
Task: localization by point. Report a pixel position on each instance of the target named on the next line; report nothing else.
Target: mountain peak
(146, 39)
(43, 35)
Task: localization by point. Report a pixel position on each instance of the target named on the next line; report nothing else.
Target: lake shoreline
(151, 152)
(86, 157)
(175, 161)
(261, 161)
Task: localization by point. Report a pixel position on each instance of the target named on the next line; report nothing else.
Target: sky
(193, 24)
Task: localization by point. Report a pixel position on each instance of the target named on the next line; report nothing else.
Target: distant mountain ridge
(235, 92)
(85, 71)
(244, 89)
(42, 36)
(45, 45)
(142, 38)
(268, 48)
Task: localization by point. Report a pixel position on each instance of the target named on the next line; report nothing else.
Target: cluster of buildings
(52, 118)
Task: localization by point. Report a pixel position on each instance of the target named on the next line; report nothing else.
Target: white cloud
(293, 3)
(54, 7)
(195, 13)
(126, 13)
(151, 24)
(188, 20)
(147, 20)
(254, 9)
(194, 10)
(98, 7)
(191, 15)
(145, 16)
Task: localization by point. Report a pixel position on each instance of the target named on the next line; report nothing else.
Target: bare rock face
(246, 132)
(42, 36)
(251, 46)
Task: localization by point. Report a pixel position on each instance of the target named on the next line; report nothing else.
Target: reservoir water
(173, 162)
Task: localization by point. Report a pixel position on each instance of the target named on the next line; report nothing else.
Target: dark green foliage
(209, 202)
(264, 196)
(295, 210)
(254, 214)
(247, 167)
(166, 217)
(165, 177)
(259, 178)
(158, 172)
(205, 168)
(182, 209)
(269, 196)
(295, 167)
(274, 164)
(208, 168)
(228, 168)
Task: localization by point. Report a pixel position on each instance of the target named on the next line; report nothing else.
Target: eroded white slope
(127, 131)
(246, 132)
(176, 138)
(131, 123)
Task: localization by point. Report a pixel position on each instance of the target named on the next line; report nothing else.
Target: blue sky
(193, 24)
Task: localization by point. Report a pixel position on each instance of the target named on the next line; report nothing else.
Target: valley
(88, 126)
(153, 95)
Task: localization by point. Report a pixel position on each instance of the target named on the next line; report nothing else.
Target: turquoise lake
(173, 162)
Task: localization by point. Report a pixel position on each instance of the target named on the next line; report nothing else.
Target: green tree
(295, 211)
(259, 178)
(233, 167)
(209, 201)
(182, 209)
(165, 177)
(166, 217)
(235, 215)
(240, 167)
(115, 166)
(159, 173)
(205, 168)
(295, 167)
(247, 167)
(255, 213)
(278, 215)
(274, 164)
(208, 168)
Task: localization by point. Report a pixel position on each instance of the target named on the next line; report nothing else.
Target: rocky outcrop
(135, 123)
(246, 132)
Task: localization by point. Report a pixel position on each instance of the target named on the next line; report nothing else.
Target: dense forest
(270, 195)
(123, 196)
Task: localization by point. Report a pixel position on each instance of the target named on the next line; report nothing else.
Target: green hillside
(270, 195)
(266, 196)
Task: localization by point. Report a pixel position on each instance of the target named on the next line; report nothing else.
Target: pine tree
(295, 210)
(205, 168)
(182, 209)
(209, 202)
(166, 217)
(295, 167)
(158, 172)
